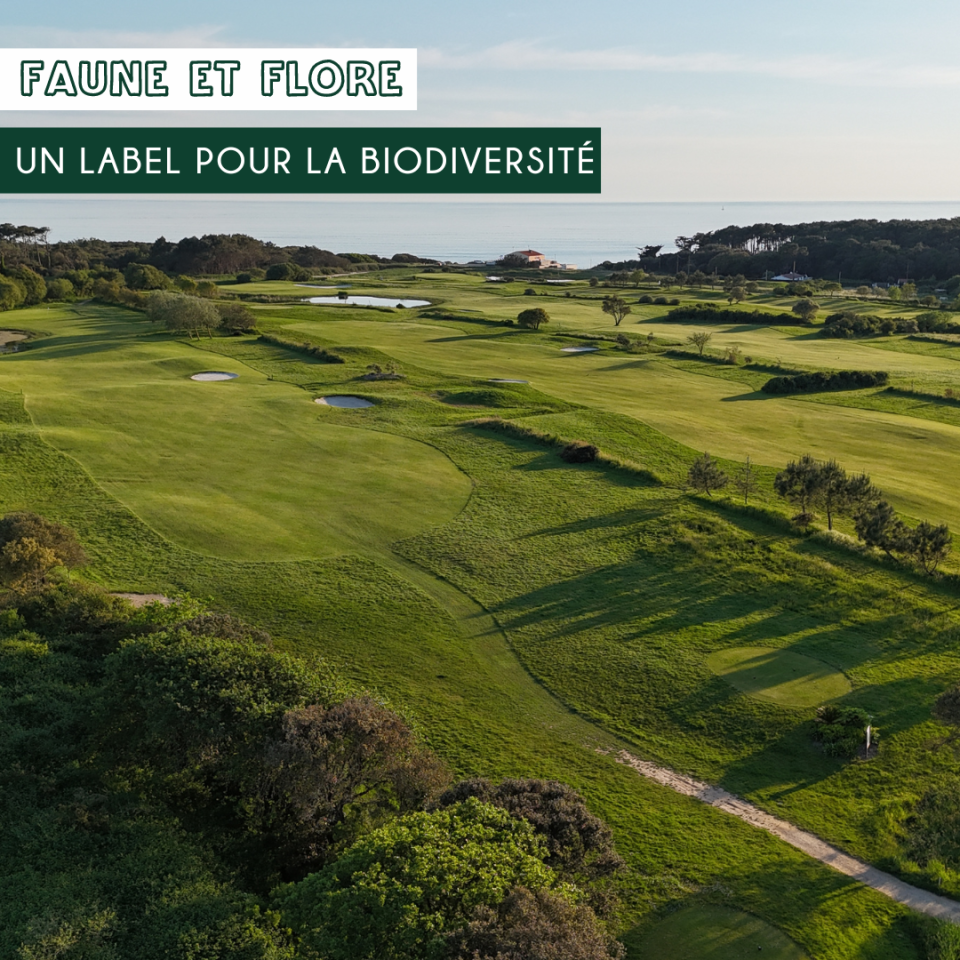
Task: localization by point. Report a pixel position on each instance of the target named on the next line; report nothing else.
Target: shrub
(236, 318)
(660, 301)
(849, 325)
(711, 313)
(705, 475)
(12, 293)
(248, 276)
(577, 451)
(59, 289)
(841, 730)
(287, 271)
(646, 298)
(674, 301)
(143, 276)
(31, 547)
(34, 285)
(208, 289)
(529, 292)
(426, 873)
(821, 381)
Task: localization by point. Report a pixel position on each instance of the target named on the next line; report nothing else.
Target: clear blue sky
(743, 100)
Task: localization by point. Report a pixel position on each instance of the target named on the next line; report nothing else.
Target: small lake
(359, 301)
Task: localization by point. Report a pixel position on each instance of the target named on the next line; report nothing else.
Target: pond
(361, 301)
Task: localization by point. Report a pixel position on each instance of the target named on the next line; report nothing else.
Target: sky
(698, 101)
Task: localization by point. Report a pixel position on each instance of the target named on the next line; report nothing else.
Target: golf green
(708, 932)
(781, 676)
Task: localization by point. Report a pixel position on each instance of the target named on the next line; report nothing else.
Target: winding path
(920, 900)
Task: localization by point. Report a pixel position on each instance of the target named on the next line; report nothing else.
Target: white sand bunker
(214, 375)
(354, 403)
(505, 380)
(579, 349)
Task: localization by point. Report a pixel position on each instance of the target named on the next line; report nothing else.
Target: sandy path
(913, 897)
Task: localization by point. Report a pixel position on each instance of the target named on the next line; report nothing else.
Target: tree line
(870, 250)
(172, 785)
(812, 485)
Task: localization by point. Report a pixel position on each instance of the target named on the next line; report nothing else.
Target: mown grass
(612, 590)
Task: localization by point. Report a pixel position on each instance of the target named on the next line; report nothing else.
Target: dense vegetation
(821, 380)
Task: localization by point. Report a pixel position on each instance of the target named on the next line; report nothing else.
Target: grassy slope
(567, 558)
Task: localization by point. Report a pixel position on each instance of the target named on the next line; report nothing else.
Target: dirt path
(913, 897)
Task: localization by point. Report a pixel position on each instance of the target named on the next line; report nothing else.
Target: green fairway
(534, 616)
(707, 932)
(913, 460)
(780, 676)
(245, 469)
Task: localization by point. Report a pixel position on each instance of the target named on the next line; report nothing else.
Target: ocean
(582, 233)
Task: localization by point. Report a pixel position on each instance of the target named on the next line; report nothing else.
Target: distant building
(536, 259)
(791, 277)
(532, 257)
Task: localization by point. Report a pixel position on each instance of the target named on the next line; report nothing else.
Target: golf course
(535, 616)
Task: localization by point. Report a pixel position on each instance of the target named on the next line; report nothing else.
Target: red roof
(530, 253)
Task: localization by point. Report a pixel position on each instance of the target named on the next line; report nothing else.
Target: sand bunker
(353, 403)
(9, 339)
(214, 375)
(578, 349)
(142, 599)
(505, 380)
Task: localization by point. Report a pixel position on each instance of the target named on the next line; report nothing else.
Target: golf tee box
(102, 160)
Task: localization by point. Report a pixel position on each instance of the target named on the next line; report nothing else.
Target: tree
(59, 289)
(399, 890)
(208, 289)
(832, 490)
(806, 308)
(143, 276)
(533, 926)
(798, 483)
(533, 318)
(893, 293)
(637, 277)
(736, 295)
(616, 307)
(186, 284)
(33, 284)
(878, 525)
(578, 843)
(705, 475)
(183, 314)
(863, 291)
(236, 318)
(700, 339)
(929, 545)
(12, 293)
(746, 480)
(31, 547)
(332, 772)
(908, 291)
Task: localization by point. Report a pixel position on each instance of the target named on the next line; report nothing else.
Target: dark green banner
(300, 160)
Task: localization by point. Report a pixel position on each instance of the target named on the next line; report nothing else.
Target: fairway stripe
(920, 900)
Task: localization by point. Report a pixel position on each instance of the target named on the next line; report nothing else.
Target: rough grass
(612, 591)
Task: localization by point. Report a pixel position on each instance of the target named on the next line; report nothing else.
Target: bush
(646, 298)
(533, 318)
(143, 276)
(711, 313)
(822, 381)
(248, 276)
(841, 730)
(12, 293)
(59, 289)
(399, 890)
(578, 451)
(850, 325)
(287, 271)
(208, 289)
(236, 317)
(660, 301)
(34, 285)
